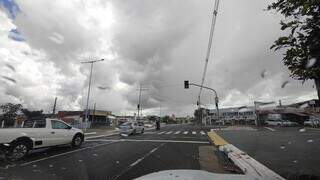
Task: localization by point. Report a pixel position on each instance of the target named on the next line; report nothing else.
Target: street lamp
(86, 112)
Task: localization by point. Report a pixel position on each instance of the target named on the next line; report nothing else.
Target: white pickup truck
(16, 142)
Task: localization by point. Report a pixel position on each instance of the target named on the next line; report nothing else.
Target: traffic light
(186, 84)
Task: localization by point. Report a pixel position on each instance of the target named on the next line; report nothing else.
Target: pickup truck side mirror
(69, 127)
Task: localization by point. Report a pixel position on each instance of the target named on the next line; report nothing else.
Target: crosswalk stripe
(169, 132)
(162, 132)
(178, 132)
(193, 132)
(186, 132)
(202, 133)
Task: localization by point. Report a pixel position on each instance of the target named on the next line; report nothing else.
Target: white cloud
(155, 43)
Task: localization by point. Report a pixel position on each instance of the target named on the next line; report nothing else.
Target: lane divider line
(137, 162)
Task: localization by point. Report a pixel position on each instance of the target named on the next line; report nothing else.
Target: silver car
(132, 127)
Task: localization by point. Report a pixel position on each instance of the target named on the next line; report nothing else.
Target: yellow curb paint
(216, 139)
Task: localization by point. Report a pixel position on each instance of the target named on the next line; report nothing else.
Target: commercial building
(233, 115)
(96, 118)
(296, 112)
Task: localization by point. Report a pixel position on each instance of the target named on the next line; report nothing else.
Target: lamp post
(88, 96)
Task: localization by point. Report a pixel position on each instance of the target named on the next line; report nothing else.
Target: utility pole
(139, 101)
(160, 113)
(94, 112)
(86, 112)
(213, 22)
(54, 106)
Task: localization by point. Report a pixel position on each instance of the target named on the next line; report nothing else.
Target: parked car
(280, 122)
(17, 142)
(312, 123)
(132, 127)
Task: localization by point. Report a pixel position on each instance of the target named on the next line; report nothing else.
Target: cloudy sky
(156, 43)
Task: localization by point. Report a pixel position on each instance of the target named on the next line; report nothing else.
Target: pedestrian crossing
(202, 133)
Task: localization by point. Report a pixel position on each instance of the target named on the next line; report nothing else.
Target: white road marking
(186, 132)
(202, 133)
(92, 137)
(136, 162)
(65, 153)
(149, 140)
(169, 132)
(146, 155)
(178, 132)
(193, 132)
(271, 129)
(162, 132)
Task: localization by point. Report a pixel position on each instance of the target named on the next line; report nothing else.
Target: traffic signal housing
(186, 84)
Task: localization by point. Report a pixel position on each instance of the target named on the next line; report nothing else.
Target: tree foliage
(32, 114)
(302, 44)
(10, 112)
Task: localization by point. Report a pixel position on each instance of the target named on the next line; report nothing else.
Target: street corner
(215, 139)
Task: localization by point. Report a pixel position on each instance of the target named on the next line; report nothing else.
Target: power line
(213, 22)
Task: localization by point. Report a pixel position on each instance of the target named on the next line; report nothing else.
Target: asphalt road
(287, 151)
(114, 157)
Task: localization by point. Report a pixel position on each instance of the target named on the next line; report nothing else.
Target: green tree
(302, 44)
(32, 114)
(10, 112)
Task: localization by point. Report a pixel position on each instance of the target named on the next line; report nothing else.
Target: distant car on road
(17, 142)
(280, 122)
(148, 125)
(132, 127)
(312, 123)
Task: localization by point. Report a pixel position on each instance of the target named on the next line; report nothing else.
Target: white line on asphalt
(92, 137)
(169, 132)
(136, 162)
(65, 153)
(148, 140)
(193, 132)
(162, 132)
(186, 132)
(202, 133)
(146, 155)
(270, 129)
(178, 132)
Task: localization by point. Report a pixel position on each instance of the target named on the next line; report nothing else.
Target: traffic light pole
(187, 84)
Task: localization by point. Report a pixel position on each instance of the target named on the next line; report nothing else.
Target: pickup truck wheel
(18, 151)
(77, 140)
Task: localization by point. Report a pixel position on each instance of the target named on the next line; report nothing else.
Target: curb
(247, 164)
